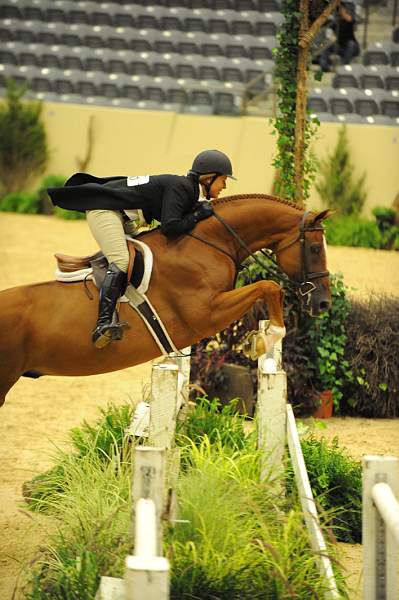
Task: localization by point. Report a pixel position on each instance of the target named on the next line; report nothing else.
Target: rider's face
(218, 185)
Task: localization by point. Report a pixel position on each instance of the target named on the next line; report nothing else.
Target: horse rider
(115, 206)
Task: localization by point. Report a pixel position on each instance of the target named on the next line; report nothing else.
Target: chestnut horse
(46, 327)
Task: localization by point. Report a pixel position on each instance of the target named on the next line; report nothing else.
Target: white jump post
(380, 527)
(147, 571)
(271, 411)
(276, 425)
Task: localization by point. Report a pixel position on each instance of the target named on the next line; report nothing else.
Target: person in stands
(346, 44)
(118, 205)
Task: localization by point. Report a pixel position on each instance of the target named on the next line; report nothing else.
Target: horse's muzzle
(315, 299)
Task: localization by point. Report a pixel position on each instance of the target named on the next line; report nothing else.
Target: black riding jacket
(169, 199)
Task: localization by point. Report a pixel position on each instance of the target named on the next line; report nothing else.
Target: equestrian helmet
(213, 161)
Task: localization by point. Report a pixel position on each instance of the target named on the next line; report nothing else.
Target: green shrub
(23, 146)
(237, 539)
(372, 349)
(336, 481)
(20, 202)
(46, 206)
(353, 231)
(69, 215)
(386, 222)
(336, 186)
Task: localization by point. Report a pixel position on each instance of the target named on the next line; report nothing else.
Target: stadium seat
(245, 5)
(232, 74)
(94, 63)
(10, 11)
(366, 104)
(241, 27)
(208, 72)
(377, 54)
(395, 57)
(185, 71)
(138, 67)
(392, 78)
(29, 58)
(55, 15)
(269, 5)
(132, 92)
(194, 24)
(50, 61)
(371, 79)
(199, 101)
(389, 104)
(8, 57)
(218, 25)
(226, 103)
(176, 95)
(345, 80)
(341, 101)
(318, 100)
(100, 17)
(32, 13)
(220, 4)
(79, 17)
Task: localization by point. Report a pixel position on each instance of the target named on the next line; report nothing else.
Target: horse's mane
(258, 196)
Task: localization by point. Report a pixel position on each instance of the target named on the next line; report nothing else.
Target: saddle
(94, 267)
(71, 269)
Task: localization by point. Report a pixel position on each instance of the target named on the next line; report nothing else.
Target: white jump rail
(276, 426)
(380, 527)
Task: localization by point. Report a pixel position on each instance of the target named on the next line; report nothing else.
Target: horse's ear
(321, 216)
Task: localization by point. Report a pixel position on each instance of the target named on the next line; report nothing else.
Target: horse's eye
(315, 248)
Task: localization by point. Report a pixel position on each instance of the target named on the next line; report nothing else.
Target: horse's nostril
(324, 305)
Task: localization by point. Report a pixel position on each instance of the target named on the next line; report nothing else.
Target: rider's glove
(203, 211)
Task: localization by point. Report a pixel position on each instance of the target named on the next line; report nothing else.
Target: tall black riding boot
(114, 285)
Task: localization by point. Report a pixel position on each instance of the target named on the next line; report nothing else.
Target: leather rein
(306, 285)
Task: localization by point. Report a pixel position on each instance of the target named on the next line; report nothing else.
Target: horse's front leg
(230, 306)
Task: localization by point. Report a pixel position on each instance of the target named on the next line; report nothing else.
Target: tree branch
(307, 37)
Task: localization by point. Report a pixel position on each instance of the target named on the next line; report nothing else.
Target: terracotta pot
(325, 405)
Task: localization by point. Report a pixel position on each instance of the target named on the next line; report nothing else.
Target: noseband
(306, 285)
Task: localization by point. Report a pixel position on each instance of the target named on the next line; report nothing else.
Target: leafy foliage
(286, 59)
(20, 202)
(372, 349)
(353, 231)
(386, 222)
(239, 541)
(336, 481)
(23, 146)
(337, 188)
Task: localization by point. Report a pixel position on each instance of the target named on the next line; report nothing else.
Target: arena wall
(134, 142)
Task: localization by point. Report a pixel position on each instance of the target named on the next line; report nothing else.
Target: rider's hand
(203, 211)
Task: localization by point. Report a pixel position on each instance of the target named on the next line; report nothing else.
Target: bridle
(306, 285)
